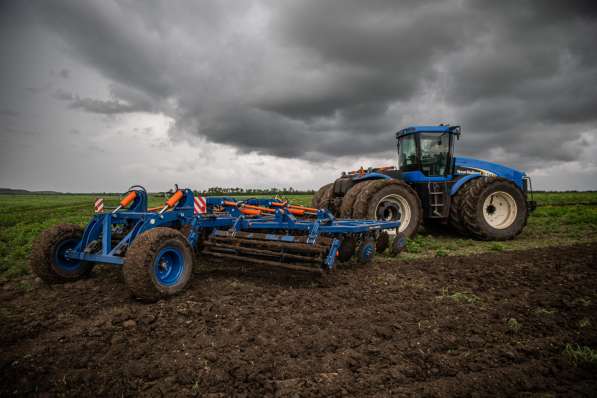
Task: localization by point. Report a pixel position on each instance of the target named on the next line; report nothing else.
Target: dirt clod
(129, 324)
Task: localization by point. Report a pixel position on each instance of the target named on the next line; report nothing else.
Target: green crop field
(561, 219)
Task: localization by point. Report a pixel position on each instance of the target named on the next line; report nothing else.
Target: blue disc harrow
(157, 246)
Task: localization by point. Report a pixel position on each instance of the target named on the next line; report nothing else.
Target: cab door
(436, 169)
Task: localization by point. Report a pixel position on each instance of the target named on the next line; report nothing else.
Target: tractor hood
(475, 166)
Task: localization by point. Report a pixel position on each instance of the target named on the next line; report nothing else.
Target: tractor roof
(442, 128)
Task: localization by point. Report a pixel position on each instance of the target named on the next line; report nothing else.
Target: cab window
(434, 153)
(407, 153)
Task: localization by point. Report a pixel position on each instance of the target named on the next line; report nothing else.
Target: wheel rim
(499, 210)
(367, 251)
(60, 259)
(394, 207)
(169, 266)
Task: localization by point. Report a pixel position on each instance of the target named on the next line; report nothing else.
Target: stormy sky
(99, 95)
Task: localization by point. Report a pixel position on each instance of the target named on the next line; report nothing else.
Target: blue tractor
(485, 200)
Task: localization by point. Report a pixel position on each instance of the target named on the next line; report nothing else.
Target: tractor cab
(426, 162)
(427, 150)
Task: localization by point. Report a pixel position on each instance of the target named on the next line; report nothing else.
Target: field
(561, 219)
(450, 317)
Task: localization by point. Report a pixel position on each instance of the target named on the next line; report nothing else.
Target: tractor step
(438, 198)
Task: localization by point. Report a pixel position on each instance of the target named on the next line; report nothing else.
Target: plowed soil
(486, 325)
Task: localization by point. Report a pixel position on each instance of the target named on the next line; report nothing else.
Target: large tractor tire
(48, 259)
(456, 218)
(348, 200)
(494, 209)
(159, 263)
(390, 200)
(323, 197)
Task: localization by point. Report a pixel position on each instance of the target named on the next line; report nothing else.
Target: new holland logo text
(473, 170)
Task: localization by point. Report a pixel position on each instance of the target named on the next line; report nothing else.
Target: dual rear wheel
(485, 208)
(489, 208)
(388, 200)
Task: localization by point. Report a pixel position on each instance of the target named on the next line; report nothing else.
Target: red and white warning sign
(200, 205)
(99, 205)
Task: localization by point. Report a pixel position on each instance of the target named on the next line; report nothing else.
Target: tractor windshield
(407, 153)
(434, 153)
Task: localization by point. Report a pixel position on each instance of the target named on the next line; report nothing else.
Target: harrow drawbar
(157, 247)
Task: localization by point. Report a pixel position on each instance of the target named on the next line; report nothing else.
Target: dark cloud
(40, 89)
(8, 113)
(18, 132)
(315, 79)
(62, 95)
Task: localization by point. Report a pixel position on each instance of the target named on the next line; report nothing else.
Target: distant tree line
(217, 191)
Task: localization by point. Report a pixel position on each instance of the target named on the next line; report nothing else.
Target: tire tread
(42, 252)
(317, 198)
(362, 206)
(139, 258)
(470, 201)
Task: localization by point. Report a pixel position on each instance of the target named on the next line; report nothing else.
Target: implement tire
(494, 209)
(347, 249)
(321, 199)
(158, 264)
(47, 258)
(383, 199)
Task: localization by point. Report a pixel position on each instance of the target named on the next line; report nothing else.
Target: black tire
(473, 211)
(366, 251)
(398, 245)
(366, 205)
(322, 197)
(456, 218)
(382, 242)
(142, 269)
(350, 197)
(47, 255)
(347, 249)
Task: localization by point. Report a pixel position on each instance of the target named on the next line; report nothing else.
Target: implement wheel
(158, 264)
(347, 249)
(48, 260)
(398, 245)
(366, 251)
(494, 209)
(382, 243)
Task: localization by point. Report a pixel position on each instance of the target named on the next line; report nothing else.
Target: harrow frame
(223, 216)
(157, 248)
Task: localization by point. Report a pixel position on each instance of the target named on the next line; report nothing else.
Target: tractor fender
(461, 182)
(371, 176)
